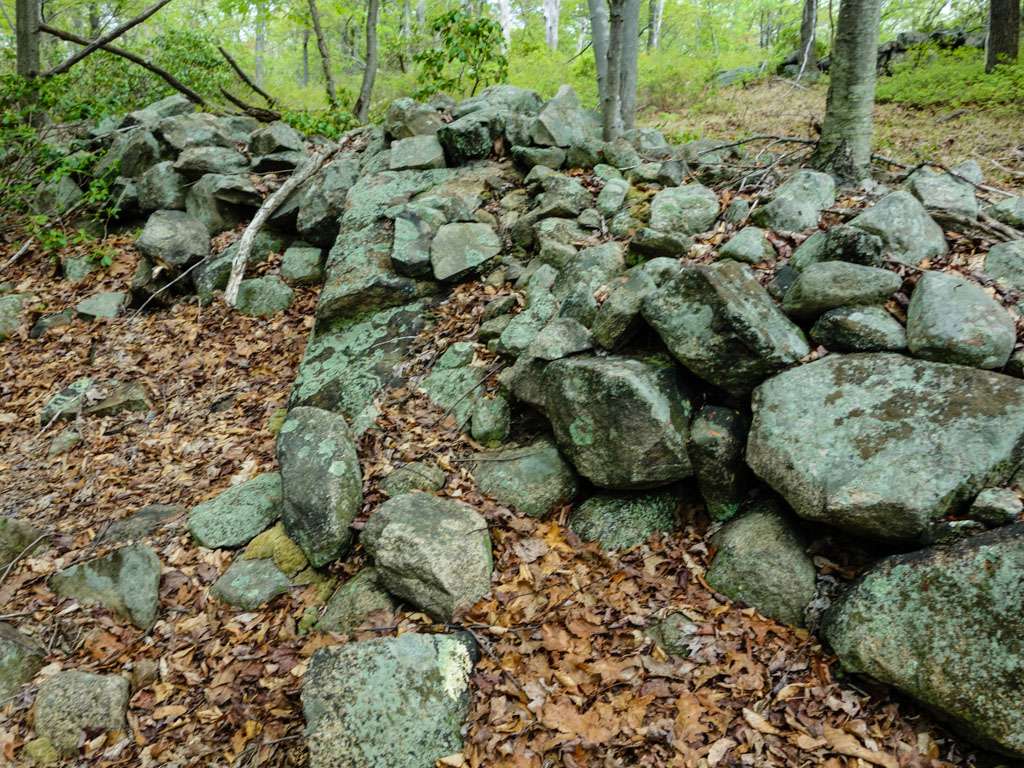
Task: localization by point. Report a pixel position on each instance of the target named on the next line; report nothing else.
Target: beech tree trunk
(260, 42)
(325, 54)
(505, 20)
(306, 34)
(552, 11)
(612, 103)
(26, 21)
(599, 42)
(808, 31)
(362, 108)
(1003, 40)
(845, 146)
(657, 10)
(630, 57)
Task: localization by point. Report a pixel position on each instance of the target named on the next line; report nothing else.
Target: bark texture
(612, 103)
(362, 108)
(845, 146)
(630, 57)
(325, 54)
(27, 27)
(552, 12)
(599, 24)
(808, 31)
(1003, 32)
(656, 11)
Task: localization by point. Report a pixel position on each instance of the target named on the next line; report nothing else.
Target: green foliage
(932, 77)
(468, 54)
(328, 123)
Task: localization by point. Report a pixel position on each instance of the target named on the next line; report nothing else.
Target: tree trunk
(306, 34)
(27, 22)
(599, 42)
(808, 30)
(612, 104)
(325, 54)
(505, 20)
(845, 145)
(657, 9)
(406, 31)
(630, 56)
(1003, 32)
(421, 14)
(552, 11)
(260, 47)
(362, 108)
(94, 20)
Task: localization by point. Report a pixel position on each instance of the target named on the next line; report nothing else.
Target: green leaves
(469, 54)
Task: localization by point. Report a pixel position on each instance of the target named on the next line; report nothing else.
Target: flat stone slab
(127, 581)
(237, 515)
(460, 248)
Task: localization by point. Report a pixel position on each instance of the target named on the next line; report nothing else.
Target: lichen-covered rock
(687, 210)
(321, 202)
(249, 584)
(66, 403)
(302, 265)
(859, 329)
(561, 337)
(761, 561)
(417, 153)
(622, 421)
(194, 130)
(718, 438)
(222, 202)
(390, 703)
(1009, 211)
(20, 658)
(561, 122)
(263, 296)
(174, 238)
(321, 482)
(127, 581)
(10, 315)
(910, 235)
(618, 318)
(943, 191)
(105, 305)
(749, 246)
(533, 480)
(454, 382)
(354, 601)
(491, 421)
(236, 516)
(18, 538)
(198, 161)
(417, 476)
(162, 188)
(953, 320)
(833, 284)
(996, 506)
(433, 553)
(798, 203)
(882, 445)
(71, 704)
(548, 157)
(622, 521)
(943, 626)
(472, 136)
(720, 323)
(275, 137)
(458, 249)
(407, 117)
(415, 227)
(273, 544)
(1005, 264)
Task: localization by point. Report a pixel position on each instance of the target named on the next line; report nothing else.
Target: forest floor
(990, 135)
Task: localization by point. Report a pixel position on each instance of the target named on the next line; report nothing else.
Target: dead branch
(752, 139)
(18, 254)
(170, 79)
(245, 78)
(261, 114)
(983, 226)
(271, 204)
(100, 42)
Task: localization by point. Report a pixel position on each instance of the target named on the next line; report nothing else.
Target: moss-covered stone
(417, 476)
(355, 600)
(622, 521)
(20, 658)
(263, 296)
(533, 480)
(797, 204)
(833, 284)
(944, 626)
(859, 329)
(491, 421)
(237, 515)
(71, 704)
(249, 584)
(718, 438)
(127, 581)
(274, 544)
(910, 235)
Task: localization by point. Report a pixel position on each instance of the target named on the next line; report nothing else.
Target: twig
(160, 290)
(263, 115)
(25, 551)
(20, 252)
(780, 139)
(170, 79)
(983, 225)
(102, 41)
(245, 78)
(271, 204)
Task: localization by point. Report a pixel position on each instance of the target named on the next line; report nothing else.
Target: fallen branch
(752, 139)
(102, 41)
(985, 226)
(261, 114)
(18, 254)
(313, 164)
(245, 78)
(170, 79)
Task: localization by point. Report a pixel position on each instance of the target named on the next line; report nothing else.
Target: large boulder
(883, 445)
(908, 233)
(833, 284)
(940, 190)
(797, 204)
(321, 482)
(561, 123)
(943, 626)
(174, 238)
(390, 703)
(198, 161)
(239, 514)
(433, 553)
(127, 581)
(194, 130)
(687, 210)
(953, 320)
(622, 421)
(721, 324)
(760, 560)
(72, 704)
(533, 480)
(20, 658)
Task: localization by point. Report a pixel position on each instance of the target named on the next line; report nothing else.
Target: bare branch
(245, 78)
(101, 42)
(263, 115)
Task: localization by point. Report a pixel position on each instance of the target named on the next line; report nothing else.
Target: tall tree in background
(260, 42)
(615, 36)
(611, 105)
(599, 42)
(505, 20)
(552, 15)
(27, 27)
(325, 54)
(808, 31)
(845, 145)
(362, 107)
(629, 64)
(1003, 40)
(656, 12)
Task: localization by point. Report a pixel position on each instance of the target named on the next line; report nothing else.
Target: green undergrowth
(931, 77)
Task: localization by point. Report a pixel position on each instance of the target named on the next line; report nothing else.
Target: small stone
(1005, 264)
(491, 421)
(65, 441)
(798, 203)
(275, 137)
(417, 153)
(1009, 211)
(953, 320)
(73, 702)
(162, 188)
(621, 522)
(749, 246)
(67, 403)
(618, 318)
(653, 244)
(263, 296)
(145, 672)
(674, 634)
(237, 515)
(613, 196)
(859, 329)
(130, 397)
(560, 338)
(833, 284)
(846, 243)
(199, 161)
(354, 601)
(142, 523)
(20, 658)
(533, 480)
(302, 265)
(106, 305)
(77, 268)
(127, 581)
(996, 506)
(53, 320)
(549, 157)
(433, 553)
(459, 249)
(718, 438)
(737, 212)
(417, 476)
(686, 210)
(249, 584)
